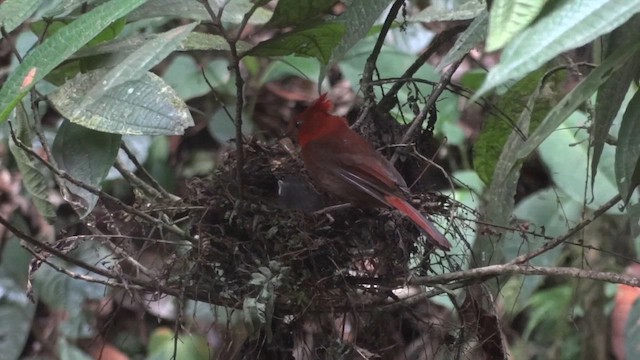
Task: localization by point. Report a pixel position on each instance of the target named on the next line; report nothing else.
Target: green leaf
(162, 346)
(56, 49)
(316, 41)
(568, 25)
(290, 66)
(87, 155)
(627, 158)
(234, 11)
(298, 12)
(632, 332)
(63, 7)
(577, 96)
(69, 351)
(569, 145)
(62, 292)
(546, 211)
(392, 64)
(547, 306)
(357, 19)
(203, 41)
(441, 11)
(15, 308)
(490, 143)
(15, 12)
(146, 106)
(221, 127)
(184, 75)
(470, 38)
(194, 41)
(510, 17)
(136, 64)
(612, 93)
(33, 174)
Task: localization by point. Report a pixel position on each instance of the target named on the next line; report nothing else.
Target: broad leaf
(86, 155)
(136, 64)
(566, 154)
(56, 49)
(15, 308)
(33, 173)
(14, 12)
(64, 293)
(440, 11)
(470, 38)
(508, 18)
(628, 149)
(612, 93)
(358, 20)
(63, 7)
(577, 96)
(186, 77)
(568, 25)
(549, 212)
(234, 11)
(298, 12)
(146, 106)
(193, 41)
(490, 143)
(316, 41)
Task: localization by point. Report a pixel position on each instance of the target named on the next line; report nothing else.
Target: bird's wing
(344, 158)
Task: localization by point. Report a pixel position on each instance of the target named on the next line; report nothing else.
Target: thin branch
(370, 65)
(96, 191)
(560, 239)
(431, 101)
(146, 174)
(235, 59)
(387, 102)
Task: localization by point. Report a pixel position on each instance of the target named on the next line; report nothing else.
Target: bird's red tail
(434, 234)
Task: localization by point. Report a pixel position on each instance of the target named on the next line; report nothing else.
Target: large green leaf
(14, 12)
(577, 96)
(56, 49)
(627, 156)
(569, 24)
(442, 11)
(358, 20)
(612, 93)
(234, 11)
(162, 346)
(63, 293)
(87, 155)
(136, 64)
(146, 106)
(15, 308)
(566, 154)
(315, 41)
(193, 41)
(547, 211)
(508, 18)
(34, 176)
(185, 76)
(63, 7)
(499, 198)
(298, 12)
(470, 38)
(490, 143)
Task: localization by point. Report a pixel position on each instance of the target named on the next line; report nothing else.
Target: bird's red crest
(323, 103)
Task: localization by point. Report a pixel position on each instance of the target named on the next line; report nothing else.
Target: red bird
(343, 163)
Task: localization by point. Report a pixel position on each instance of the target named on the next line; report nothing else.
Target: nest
(273, 230)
